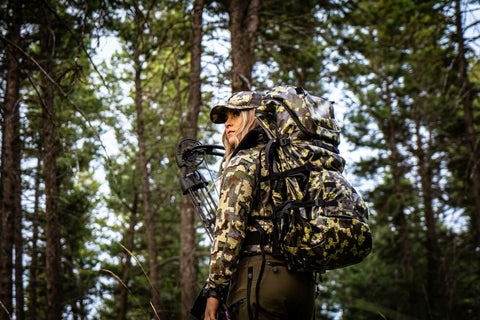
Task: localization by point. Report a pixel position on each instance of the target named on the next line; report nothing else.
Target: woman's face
(232, 125)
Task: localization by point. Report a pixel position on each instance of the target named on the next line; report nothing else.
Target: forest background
(94, 225)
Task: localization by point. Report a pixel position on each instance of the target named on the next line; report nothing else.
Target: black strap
(249, 290)
(255, 238)
(294, 204)
(262, 269)
(301, 171)
(272, 143)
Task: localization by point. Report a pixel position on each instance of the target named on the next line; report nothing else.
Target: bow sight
(191, 154)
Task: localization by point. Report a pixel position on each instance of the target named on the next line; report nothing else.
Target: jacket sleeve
(235, 202)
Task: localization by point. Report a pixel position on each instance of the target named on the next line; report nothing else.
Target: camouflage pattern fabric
(332, 232)
(238, 200)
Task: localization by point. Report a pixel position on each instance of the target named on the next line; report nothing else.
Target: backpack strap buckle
(284, 142)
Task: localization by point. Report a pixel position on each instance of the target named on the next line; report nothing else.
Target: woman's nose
(227, 122)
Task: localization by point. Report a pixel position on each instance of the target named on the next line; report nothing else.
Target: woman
(245, 273)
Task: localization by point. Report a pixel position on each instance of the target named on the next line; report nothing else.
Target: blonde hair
(249, 122)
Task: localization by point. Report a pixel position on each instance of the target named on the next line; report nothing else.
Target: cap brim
(218, 114)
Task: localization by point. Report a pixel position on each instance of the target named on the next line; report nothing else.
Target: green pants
(281, 294)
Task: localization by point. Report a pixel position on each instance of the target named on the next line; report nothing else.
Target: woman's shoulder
(249, 150)
(244, 166)
(248, 156)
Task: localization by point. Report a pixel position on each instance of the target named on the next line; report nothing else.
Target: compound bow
(191, 154)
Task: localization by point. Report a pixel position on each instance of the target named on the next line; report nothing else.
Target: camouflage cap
(239, 100)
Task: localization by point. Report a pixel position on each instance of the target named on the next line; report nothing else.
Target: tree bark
(400, 221)
(18, 239)
(435, 277)
(188, 129)
(243, 30)
(467, 95)
(33, 282)
(145, 175)
(52, 229)
(397, 173)
(147, 203)
(123, 299)
(11, 176)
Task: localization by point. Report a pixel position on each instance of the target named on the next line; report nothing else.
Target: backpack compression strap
(303, 170)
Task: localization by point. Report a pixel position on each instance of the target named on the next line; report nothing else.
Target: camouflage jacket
(242, 199)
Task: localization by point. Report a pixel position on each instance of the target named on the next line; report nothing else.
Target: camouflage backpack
(319, 218)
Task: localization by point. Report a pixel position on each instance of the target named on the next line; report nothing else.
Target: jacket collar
(253, 138)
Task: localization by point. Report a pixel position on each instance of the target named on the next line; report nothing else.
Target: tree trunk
(145, 176)
(123, 299)
(34, 282)
(397, 173)
(18, 242)
(11, 177)
(243, 30)
(467, 95)
(400, 221)
(188, 129)
(147, 205)
(435, 278)
(53, 268)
